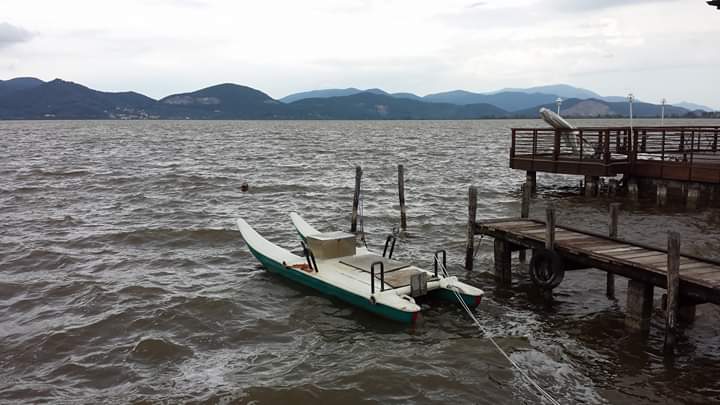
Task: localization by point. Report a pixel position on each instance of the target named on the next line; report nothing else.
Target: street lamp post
(631, 98)
(662, 112)
(558, 102)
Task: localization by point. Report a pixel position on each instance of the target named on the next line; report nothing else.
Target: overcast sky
(653, 48)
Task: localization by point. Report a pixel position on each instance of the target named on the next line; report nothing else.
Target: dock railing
(679, 153)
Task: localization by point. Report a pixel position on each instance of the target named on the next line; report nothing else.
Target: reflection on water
(124, 278)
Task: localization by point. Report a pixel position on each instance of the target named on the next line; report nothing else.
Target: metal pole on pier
(356, 199)
(673, 291)
(401, 193)
(613, 232)
(472, 217)
(662, 112)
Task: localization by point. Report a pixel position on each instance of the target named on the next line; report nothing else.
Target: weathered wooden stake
(401, 192)
(662, 192)
(531, 181)
(613, 232)
(549, 244)
(503, 262)
(693, 194)
(673, 291)
(524, 213)
(633, 190)
(356, 199)
(472, 216)
(550, 228)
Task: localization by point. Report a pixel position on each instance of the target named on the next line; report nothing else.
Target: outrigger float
(333, 265)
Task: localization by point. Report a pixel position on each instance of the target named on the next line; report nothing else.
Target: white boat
(334, 266)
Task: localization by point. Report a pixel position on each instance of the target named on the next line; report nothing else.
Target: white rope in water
(522, 372)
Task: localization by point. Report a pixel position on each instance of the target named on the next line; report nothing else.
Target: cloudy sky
(653, 48)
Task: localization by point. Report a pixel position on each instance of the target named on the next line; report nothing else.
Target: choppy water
(123, 278)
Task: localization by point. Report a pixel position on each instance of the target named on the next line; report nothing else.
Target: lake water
(124, 279)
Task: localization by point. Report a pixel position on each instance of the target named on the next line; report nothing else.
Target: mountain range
(31, 98)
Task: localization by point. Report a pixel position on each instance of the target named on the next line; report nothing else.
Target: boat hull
(298, 276)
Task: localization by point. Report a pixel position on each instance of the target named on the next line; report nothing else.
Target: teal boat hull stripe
(329, 289)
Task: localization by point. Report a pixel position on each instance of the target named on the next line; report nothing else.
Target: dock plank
(700, 277)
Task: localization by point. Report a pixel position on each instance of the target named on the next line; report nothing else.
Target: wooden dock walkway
(689, 280)
(699, 278)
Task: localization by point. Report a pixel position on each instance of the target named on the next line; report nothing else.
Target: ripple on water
(124, 278)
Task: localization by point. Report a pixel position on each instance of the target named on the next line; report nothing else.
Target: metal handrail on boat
(392, 247)
(372, 276)
(309, 256)
(435, 260)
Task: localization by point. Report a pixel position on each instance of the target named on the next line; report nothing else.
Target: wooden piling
(613, 233)
(524, 213)
(503, 262)
(673, 291)
(401, 193)
(531, 181)
(633, 190)
(550, 228)
(356, 199)
(472, 217)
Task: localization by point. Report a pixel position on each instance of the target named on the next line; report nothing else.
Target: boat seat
(401, 278)
(365, 261)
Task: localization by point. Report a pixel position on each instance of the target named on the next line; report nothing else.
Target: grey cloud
(10, 35)
(477, 4)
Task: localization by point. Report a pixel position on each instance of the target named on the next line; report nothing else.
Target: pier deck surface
(699, 277)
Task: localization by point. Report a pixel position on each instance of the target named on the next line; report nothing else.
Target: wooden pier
(687, 157)
(690, 280)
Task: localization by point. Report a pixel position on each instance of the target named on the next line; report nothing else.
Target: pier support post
(401, 194)
(687, 312)
(524, 213)
(613, 232)
(693, 194)
(531, 181)
(633, 190)
(661, 193)
(472, 217)
(673, 291)
(591, 186)
(503, 263)
(639, 305)
(356, 199)
(549, 242)
(612, 187)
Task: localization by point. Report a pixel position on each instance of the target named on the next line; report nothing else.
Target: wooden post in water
(550, 228)
(549, 243)
(356, 199)
(401, 192)
(524, 213)
(472, 216)
(613, 231)
(673, 291)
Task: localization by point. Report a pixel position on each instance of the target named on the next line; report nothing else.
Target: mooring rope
(522, 372)
(477, 246)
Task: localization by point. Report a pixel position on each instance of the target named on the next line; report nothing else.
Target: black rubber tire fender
(546, 269)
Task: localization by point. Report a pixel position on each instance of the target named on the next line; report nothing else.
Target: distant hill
(324, 93)
(30, 98)
(565, 91)
(559, 90)
(61, 99)
(693, 106)
(410, 96)
(17, 84)
(369, 105)
(509, 101)
(227, 101)
(578, 108)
